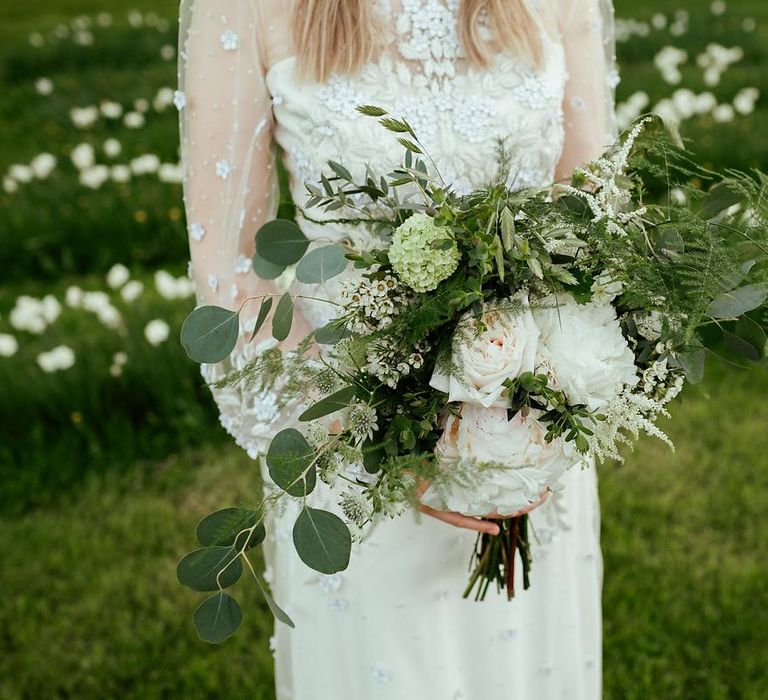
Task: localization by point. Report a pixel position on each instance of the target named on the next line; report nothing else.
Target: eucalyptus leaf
(281, 242)
(321, 264)
(218, 618)
(288, 458)
(283, 318)
(200, 569)
(738, 301)
(266, 305)
(222, 527)
(274, 608)
(209, 333)
(692, 363)
(748, 339)
(265, 269)
(330, 404)
(331, 333)
(322, 540)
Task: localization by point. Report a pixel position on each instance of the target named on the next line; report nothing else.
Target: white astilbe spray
(372, 303)
(636, 411)
(608, 196)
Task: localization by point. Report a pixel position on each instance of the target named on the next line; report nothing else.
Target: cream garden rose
(491, 463)
(504, 349)
(583, 350)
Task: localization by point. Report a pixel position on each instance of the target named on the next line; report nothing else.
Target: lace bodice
(240, 96)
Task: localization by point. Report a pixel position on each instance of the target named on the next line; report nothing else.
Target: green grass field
(104, 478)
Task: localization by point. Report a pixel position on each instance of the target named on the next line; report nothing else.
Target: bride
(260, 78)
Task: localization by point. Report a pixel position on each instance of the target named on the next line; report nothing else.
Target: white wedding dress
(394, 625)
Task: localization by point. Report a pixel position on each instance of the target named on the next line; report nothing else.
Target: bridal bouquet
(484, 345)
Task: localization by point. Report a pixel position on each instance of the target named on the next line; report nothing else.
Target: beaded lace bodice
(240, 96)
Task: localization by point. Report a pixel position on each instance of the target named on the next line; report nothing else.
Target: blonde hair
(339, 36)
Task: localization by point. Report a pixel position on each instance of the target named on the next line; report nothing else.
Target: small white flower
(120, 173)
(83, 156)
(134, 120)
(84, 117)
(167, 52)
(112, 148)
(117, 276)
(196, 231)
(132, 291)
(111, 110)
(73, 297)
(94, 177)
(44, 86)
(163, 99)
(43, 165)
(179, 100)
(157, 331)
(10, 185)
(223, 169)
(60, 358)
(145, 164)
(141, 105)
(9, 346)
(171, 172)
(21, 173)
(229, 40)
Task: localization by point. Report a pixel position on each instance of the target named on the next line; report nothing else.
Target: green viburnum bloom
(422, 253)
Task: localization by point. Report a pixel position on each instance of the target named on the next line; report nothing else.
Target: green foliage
(322, 540)
(217, 618)
(210, 333)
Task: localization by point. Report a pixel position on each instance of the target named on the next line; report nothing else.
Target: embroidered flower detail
(233, 292)
(243, 264)
(230, 40)
(196, 231)
(380, 675)
(179, 100)
(223, 169)
(213, 282)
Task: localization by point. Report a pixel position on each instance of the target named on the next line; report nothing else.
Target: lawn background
(103, 483)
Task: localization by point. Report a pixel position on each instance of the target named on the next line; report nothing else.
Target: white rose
(505, 349)
(492, 464)
(583, 351)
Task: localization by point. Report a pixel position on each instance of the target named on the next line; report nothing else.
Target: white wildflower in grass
(83, 156)
(9, 346)
(120, 174)
(163, 99)
(157, 332)
(718, 8)
(422, 253)
(83, 38)
(145, 164)
(84, 117)
(117, 276)
(104, 19)
(134, 120)
(43, 165)
(744, 102)
(73, 297)
(56, 360)
(21, 173)
(724, 113)
(170, 287)
(112, 148)
(10, 185)
(44, 86)
(135, 19)
(94, 177)
(668, 62)
(36, 40)
(172, 173)
(34, 315)
(132, 291)
(167, 52)
(119, 360)
(110, 109)
(141, 105)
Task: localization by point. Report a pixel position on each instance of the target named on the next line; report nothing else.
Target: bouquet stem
(493, 558)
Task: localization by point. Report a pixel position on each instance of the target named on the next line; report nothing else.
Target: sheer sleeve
(587, 31)
(230, 181)
(230, 190)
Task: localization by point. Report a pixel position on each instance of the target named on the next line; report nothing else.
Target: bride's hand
(471, 523)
